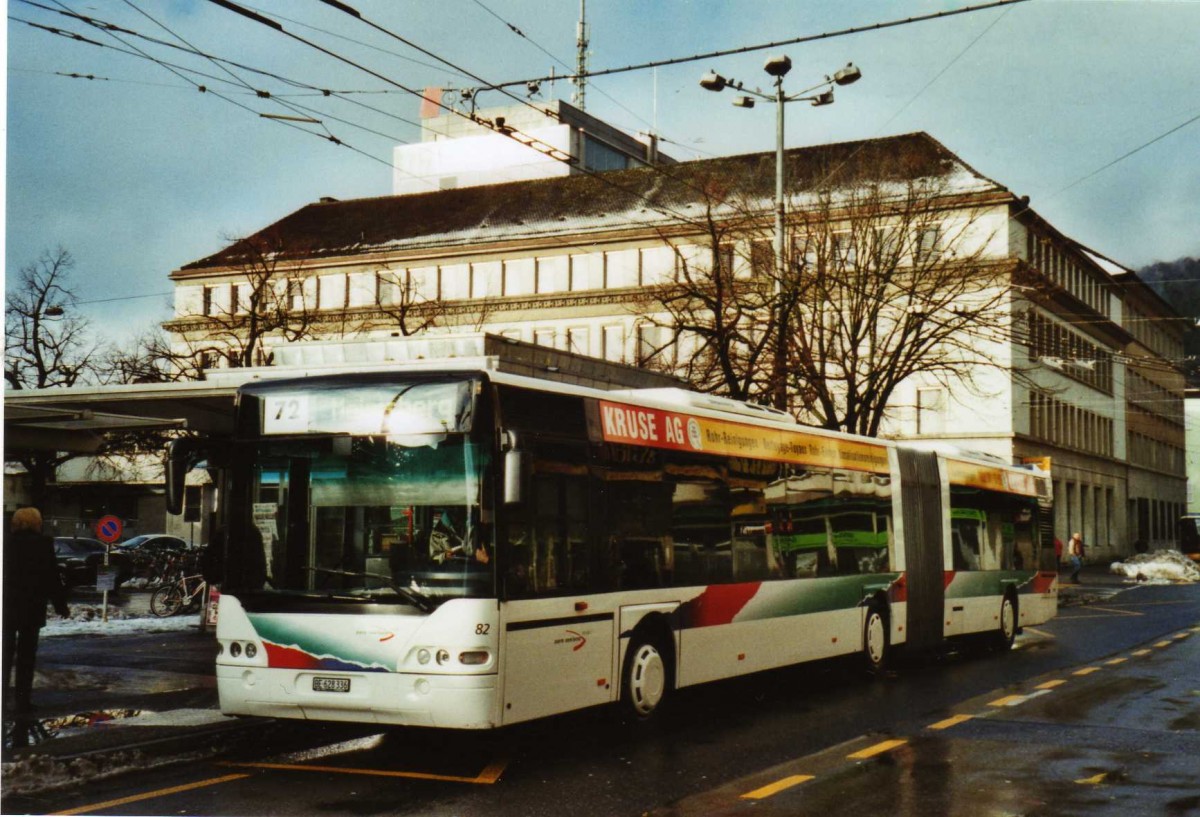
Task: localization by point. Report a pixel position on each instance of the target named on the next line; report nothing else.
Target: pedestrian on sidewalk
(1075, 551)
(30, 581)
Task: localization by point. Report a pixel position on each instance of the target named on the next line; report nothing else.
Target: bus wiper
(416, 599)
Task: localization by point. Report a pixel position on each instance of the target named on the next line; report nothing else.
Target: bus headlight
(251, 649)
(443, 656)
(235, 649)
(423, 656)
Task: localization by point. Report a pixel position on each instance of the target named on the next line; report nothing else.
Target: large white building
(1086, 378)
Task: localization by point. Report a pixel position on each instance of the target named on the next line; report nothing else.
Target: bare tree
(401, 303)
(889, 281)
(269, 297)
(152, 358)
(46, 342)
(713, 311)
(884, 279)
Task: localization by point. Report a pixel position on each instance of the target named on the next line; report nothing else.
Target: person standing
(30, 581)
(1075, 555)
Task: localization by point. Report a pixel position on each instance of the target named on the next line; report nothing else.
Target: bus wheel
(875, 640)
(1007, 632)
(644, 681)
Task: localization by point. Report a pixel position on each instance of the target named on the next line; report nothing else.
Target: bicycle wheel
(166, 601)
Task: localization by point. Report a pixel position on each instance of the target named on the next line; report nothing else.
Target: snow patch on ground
(1158, 567)
(86, 619)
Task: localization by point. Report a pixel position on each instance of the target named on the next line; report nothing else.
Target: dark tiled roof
(568, 204)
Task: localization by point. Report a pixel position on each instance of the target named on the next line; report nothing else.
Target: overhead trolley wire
(774, 44)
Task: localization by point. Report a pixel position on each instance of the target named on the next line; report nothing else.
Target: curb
(33, 770)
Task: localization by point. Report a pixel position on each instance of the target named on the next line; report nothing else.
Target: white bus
(453, 544)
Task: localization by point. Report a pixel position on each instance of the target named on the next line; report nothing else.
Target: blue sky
(137, 173)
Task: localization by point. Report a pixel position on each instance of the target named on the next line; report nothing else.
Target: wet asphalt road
(1111, 730)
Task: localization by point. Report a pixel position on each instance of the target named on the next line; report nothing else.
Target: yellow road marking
(877, 749)
(1042, 633)
(1086, 671)
(1162, 644)
(1007, 700)
(486, 778)
(1115, 661)
(951, 721)
(150, 795)
(1140, 653)
(1057, 682)
(1093, 780)
(1178, 636)
(777, 786)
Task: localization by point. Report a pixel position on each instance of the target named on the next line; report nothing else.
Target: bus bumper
(400, 699)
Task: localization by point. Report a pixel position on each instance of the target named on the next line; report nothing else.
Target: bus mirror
(516, 469)
(182, 456)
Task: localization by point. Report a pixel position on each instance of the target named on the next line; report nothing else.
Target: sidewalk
(115, 698)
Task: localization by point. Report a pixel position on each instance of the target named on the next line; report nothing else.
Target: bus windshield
(374, 518)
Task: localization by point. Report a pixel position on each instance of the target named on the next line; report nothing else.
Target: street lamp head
(712, 81)
(848, 75)
(53, 312)
(778, 65)
(823, 98)
(743, 102)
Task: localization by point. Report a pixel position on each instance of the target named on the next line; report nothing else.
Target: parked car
(80, 558)
(152, 543)
(152, 554)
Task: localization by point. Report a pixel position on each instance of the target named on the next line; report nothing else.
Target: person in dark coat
(30, 581)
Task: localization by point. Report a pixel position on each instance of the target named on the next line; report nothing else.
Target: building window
(652, 344)
(519, 276)
(927, 247)
(389, 288)
(487, 279)
(295, 295)
(623, 268)
(613, 338)
(931, 411)
(553, 274)
(579, 340)
(241, 297)
(587, 272)
(544, 337)
(456, 282)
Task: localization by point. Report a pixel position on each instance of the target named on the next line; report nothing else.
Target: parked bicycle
(184, 594)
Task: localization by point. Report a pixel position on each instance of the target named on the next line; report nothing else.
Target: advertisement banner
(662, 428)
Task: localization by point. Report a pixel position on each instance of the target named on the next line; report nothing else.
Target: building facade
(1085, 377)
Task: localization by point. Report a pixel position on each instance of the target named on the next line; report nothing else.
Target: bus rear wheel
(1006, 633)
(644, 680)
(875, 640)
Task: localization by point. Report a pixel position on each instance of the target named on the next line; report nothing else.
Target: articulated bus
(454, 545)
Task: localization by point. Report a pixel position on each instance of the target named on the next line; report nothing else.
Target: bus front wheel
(644, 681)
(875, 640)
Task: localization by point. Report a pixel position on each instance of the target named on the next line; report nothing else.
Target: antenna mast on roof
(581, 44)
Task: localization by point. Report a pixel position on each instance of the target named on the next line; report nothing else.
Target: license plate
(331, 684)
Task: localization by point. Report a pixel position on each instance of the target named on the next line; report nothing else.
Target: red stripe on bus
(718, 604)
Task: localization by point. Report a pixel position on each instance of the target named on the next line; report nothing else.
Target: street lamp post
(778, 67)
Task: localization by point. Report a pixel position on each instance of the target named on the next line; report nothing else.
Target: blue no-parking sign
(109, 528)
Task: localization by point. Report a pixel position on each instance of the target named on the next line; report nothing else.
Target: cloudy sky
(1089, 108)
